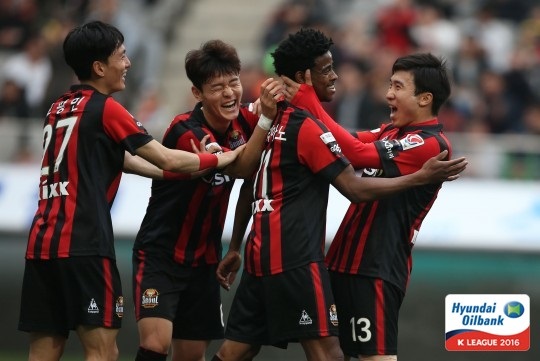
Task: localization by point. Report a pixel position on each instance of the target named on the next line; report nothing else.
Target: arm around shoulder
(365, 189)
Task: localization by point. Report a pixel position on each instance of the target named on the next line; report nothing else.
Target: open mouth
(393, 110)
(230, 105)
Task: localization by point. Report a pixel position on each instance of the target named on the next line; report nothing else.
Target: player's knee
(236, 351)
(103, 353)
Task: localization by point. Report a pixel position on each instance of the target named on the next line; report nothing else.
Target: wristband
(265, 122)
(168, 175)
(207, 161)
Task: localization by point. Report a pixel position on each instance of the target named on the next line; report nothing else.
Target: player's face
(324, 77)
(221, 97)
(404, 105)
(115, 70)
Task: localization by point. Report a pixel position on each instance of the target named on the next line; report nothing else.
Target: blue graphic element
(514, 309)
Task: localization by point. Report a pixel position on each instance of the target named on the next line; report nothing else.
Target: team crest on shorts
(333, 315)
(150, 298)
(119, 307)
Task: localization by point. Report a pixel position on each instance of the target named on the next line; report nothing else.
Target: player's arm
(231, 262)
(248, 160)
(180, 161)
(360, 154)
(137, 165)
(362, 189)
(121, 127)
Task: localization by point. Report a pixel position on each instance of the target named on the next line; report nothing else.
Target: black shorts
(187, 296)
(287, 307)
(369, 310)
(60, 294)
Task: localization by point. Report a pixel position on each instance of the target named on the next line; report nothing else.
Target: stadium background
(475, 261)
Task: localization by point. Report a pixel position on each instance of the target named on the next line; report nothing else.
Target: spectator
(16, 22)
(494, 35)
(432, 32)
(12, 100)
(500, 110)
(31, 69)
(393, 25)
(54, 31)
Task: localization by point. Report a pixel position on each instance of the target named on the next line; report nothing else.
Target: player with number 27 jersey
(85, 136)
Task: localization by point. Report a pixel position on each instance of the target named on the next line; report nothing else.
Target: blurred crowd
(32, 68)
(492, 48)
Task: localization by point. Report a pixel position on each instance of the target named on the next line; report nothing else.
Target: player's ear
(425, 99)
(98, 68)
(196, 93)
(300, 77)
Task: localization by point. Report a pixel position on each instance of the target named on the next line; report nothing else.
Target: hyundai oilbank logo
(514, 309)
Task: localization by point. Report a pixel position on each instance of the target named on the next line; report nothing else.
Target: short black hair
(93, 41)
(212, 59)
(299, 51)
(430, 75)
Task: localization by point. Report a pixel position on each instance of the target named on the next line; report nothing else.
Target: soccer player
(176, 251)
(284, 294)
(71, 280)
(370, 257)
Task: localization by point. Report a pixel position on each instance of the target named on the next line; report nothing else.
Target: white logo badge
(487, 322)
(305, 319)
(93, 308)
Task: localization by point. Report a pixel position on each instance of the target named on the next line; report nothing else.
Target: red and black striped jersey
(300, 160)
(376, 238)
(85, 136)
(185, 218)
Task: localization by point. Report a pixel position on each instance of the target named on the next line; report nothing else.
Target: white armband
(265, 122)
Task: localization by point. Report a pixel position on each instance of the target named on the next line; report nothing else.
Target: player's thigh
(99, 343)
(46, 347)
(199, 315)
(60, 294)
(300, 305)
(158, 282)
(323, 349)
(368, 311)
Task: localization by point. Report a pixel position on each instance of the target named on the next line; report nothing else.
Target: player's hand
(210, 148)
(291, 87)
(202, 148)
(228, 268)
(438, 170)
(226, 158)
(255, 107)
(271, 94)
